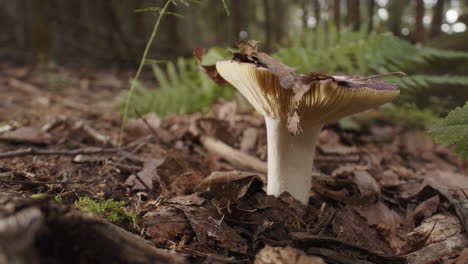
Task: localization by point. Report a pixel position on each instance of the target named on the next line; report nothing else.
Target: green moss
(114, 211)
(58, 198)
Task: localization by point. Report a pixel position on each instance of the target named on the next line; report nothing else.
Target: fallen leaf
(352, 228)
(209, 70)
(247, 48)
(461, 259)
(165, 223)
(191, 199)
(210, 227)
(28, 135)
(248, 140)
(147, 174)
(285, 255)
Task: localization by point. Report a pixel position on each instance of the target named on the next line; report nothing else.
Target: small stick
(39, 182)
(82, 151)
(233, 156)
(146, 123)
(380, 75)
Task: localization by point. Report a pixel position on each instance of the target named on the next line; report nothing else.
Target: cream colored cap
(327, 99)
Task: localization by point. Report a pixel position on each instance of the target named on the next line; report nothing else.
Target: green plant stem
(140, 68)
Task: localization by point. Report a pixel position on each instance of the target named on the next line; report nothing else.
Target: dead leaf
(434, 252)
(351, 184)
(285, 255)
(248, 140)
(209, 70)
(28, 135)
(426, 208)
(177, 176)
(378, 214)
(436, 228)
(147, 174)
(225, 111)
(352, 228)
(210, 227)
(138, 128)
(461, 259)
(191, 199)
(247, 48)
(165, 223)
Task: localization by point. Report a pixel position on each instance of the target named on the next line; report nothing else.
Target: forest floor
(382, 194)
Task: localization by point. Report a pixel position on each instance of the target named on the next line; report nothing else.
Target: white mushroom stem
(290, 159)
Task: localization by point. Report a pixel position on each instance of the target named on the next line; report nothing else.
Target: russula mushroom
(305, 102)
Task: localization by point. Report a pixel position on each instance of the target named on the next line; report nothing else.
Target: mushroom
(295, 108)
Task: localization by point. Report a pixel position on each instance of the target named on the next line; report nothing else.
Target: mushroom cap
(329, 97)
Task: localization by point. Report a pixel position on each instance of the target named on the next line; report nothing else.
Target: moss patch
(114, 211)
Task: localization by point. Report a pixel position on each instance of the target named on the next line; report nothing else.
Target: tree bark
(420, 33)
(354, 14)
(337, 13)
(437, 18)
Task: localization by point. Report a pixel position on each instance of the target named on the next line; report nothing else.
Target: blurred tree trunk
(353, 16)
(280, 23)
(139, 25)
(337, 13)
(305, 14)
(371, 9)
(395, 10)
(437, 18)
(172, 29)
(237, 18)
(40, 30)
(317, 10)
(268, 31)
(419, 25)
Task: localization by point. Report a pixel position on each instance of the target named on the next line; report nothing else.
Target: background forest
(111, 32)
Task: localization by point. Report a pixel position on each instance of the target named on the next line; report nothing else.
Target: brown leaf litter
(375, 199)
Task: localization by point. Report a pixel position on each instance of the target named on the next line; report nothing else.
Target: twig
(146, 123)
(39, 182)
(210, 256)
(233, 156)
(96, 135)
(82, 151)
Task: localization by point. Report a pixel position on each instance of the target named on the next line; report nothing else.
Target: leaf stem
(140, 68)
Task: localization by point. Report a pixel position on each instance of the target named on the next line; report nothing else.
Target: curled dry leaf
(209, 70)
(351, 184)
(437, 228)
(147, 174)
(285, 255)
(210, 227)
(164, 224)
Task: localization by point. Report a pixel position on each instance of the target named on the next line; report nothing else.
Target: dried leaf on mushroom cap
(209, 70)
(292, 97)
(329, 97)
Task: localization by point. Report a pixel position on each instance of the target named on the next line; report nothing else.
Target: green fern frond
(182, 88)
